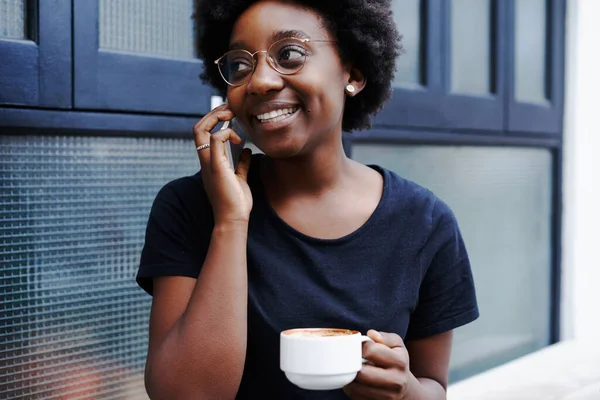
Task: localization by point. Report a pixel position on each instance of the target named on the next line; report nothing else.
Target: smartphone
(234, 151)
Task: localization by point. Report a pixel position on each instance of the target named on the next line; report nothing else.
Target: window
(502, 198)
(116, 39)
(536, 51)
(473, 64)
(35, 49)
(74, 324)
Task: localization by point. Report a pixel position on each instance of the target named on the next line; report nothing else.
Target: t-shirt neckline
(323, 241)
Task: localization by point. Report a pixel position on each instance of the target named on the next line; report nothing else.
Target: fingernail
(225, 125)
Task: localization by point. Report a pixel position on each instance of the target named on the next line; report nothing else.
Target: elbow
(165, 383)
(156, 385)
(160, 385)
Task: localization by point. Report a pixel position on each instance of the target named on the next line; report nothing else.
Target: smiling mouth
(277, 115)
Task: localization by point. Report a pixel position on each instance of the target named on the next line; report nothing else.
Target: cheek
(235, 99)
(328, 82)
(331, 99)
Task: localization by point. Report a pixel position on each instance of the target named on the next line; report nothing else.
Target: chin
(278, 151)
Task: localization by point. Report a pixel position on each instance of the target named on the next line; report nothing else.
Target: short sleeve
(447, 297)
(177, 234)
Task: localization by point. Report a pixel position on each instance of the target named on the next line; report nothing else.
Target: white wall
(581, 217)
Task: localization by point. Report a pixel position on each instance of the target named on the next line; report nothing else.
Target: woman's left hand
(387, 374)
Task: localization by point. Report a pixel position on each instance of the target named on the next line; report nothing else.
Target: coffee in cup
(319, 332)
(321, 358)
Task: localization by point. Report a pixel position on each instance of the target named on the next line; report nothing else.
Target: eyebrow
(283, 34)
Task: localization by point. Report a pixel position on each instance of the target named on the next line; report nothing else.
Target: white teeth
(276, 115)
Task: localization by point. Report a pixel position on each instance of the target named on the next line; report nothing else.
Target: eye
(240, 65)
(291, 54)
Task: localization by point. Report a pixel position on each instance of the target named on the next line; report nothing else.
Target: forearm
(425, 389)
(203, 355)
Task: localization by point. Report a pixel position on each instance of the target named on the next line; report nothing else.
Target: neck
(310, 174)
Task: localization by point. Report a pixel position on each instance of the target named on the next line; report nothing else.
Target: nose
(264, 78)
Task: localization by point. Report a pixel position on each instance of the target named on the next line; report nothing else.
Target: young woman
(301, 236)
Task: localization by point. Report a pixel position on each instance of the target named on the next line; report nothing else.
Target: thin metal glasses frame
(270, 61)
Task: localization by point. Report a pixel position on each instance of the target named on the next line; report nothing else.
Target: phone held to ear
(234, 151)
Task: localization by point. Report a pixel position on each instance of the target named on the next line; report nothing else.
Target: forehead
(257, 26)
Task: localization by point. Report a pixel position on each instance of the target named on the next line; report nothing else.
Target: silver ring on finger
(203, 146)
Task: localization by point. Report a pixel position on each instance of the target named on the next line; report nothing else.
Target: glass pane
(502, 200)
(470, 48)
(530, 50)
(73, 213)
(407, 14)
(155, 27)
(13, 14)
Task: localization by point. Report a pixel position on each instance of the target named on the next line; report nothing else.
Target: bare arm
(429, 363)
(198, 327)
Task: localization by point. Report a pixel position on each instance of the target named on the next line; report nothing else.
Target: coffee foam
(319, 332)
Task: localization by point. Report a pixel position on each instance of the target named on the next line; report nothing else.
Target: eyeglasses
(286, 56)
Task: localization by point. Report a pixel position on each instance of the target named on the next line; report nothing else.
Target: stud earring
(350, 89)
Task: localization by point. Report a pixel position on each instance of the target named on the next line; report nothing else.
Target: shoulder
(186, 195)
(182, 201)
(183, 188)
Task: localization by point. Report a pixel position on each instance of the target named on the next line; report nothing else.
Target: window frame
(38, 70)
(110, 80)
(539, 118)
(471, 111)
(420, 107)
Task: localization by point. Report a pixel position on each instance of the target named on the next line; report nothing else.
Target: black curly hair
(366, 35)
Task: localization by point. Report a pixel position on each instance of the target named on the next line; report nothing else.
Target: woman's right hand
(228, 191)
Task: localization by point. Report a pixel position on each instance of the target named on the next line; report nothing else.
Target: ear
(357, 80)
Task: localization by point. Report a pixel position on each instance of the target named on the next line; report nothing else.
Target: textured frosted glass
(13, 14)
(502, 200)
(407, 14)
(73, 211)
(470, 46)
(154, 27)
(530, 50)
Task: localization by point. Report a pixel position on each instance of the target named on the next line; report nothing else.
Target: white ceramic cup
(321, 358)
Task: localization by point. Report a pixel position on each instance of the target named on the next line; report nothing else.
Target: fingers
(384, 357)
(218, 151)
(389, 339)
(386, 375)
(203, 128)
(386, 351)
(244, 164)
(388, 379)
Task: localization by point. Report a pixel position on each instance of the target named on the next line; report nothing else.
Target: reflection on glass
(13, 14)
(148, 26)
(502, 200)
(407, 14)
(530, 51)
(470, 48)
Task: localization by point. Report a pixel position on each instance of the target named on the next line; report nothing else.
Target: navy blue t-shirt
(405, 270)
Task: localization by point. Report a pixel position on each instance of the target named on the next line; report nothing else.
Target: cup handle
(363, 339)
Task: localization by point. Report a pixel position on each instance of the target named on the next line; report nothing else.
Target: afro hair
(366, 35)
